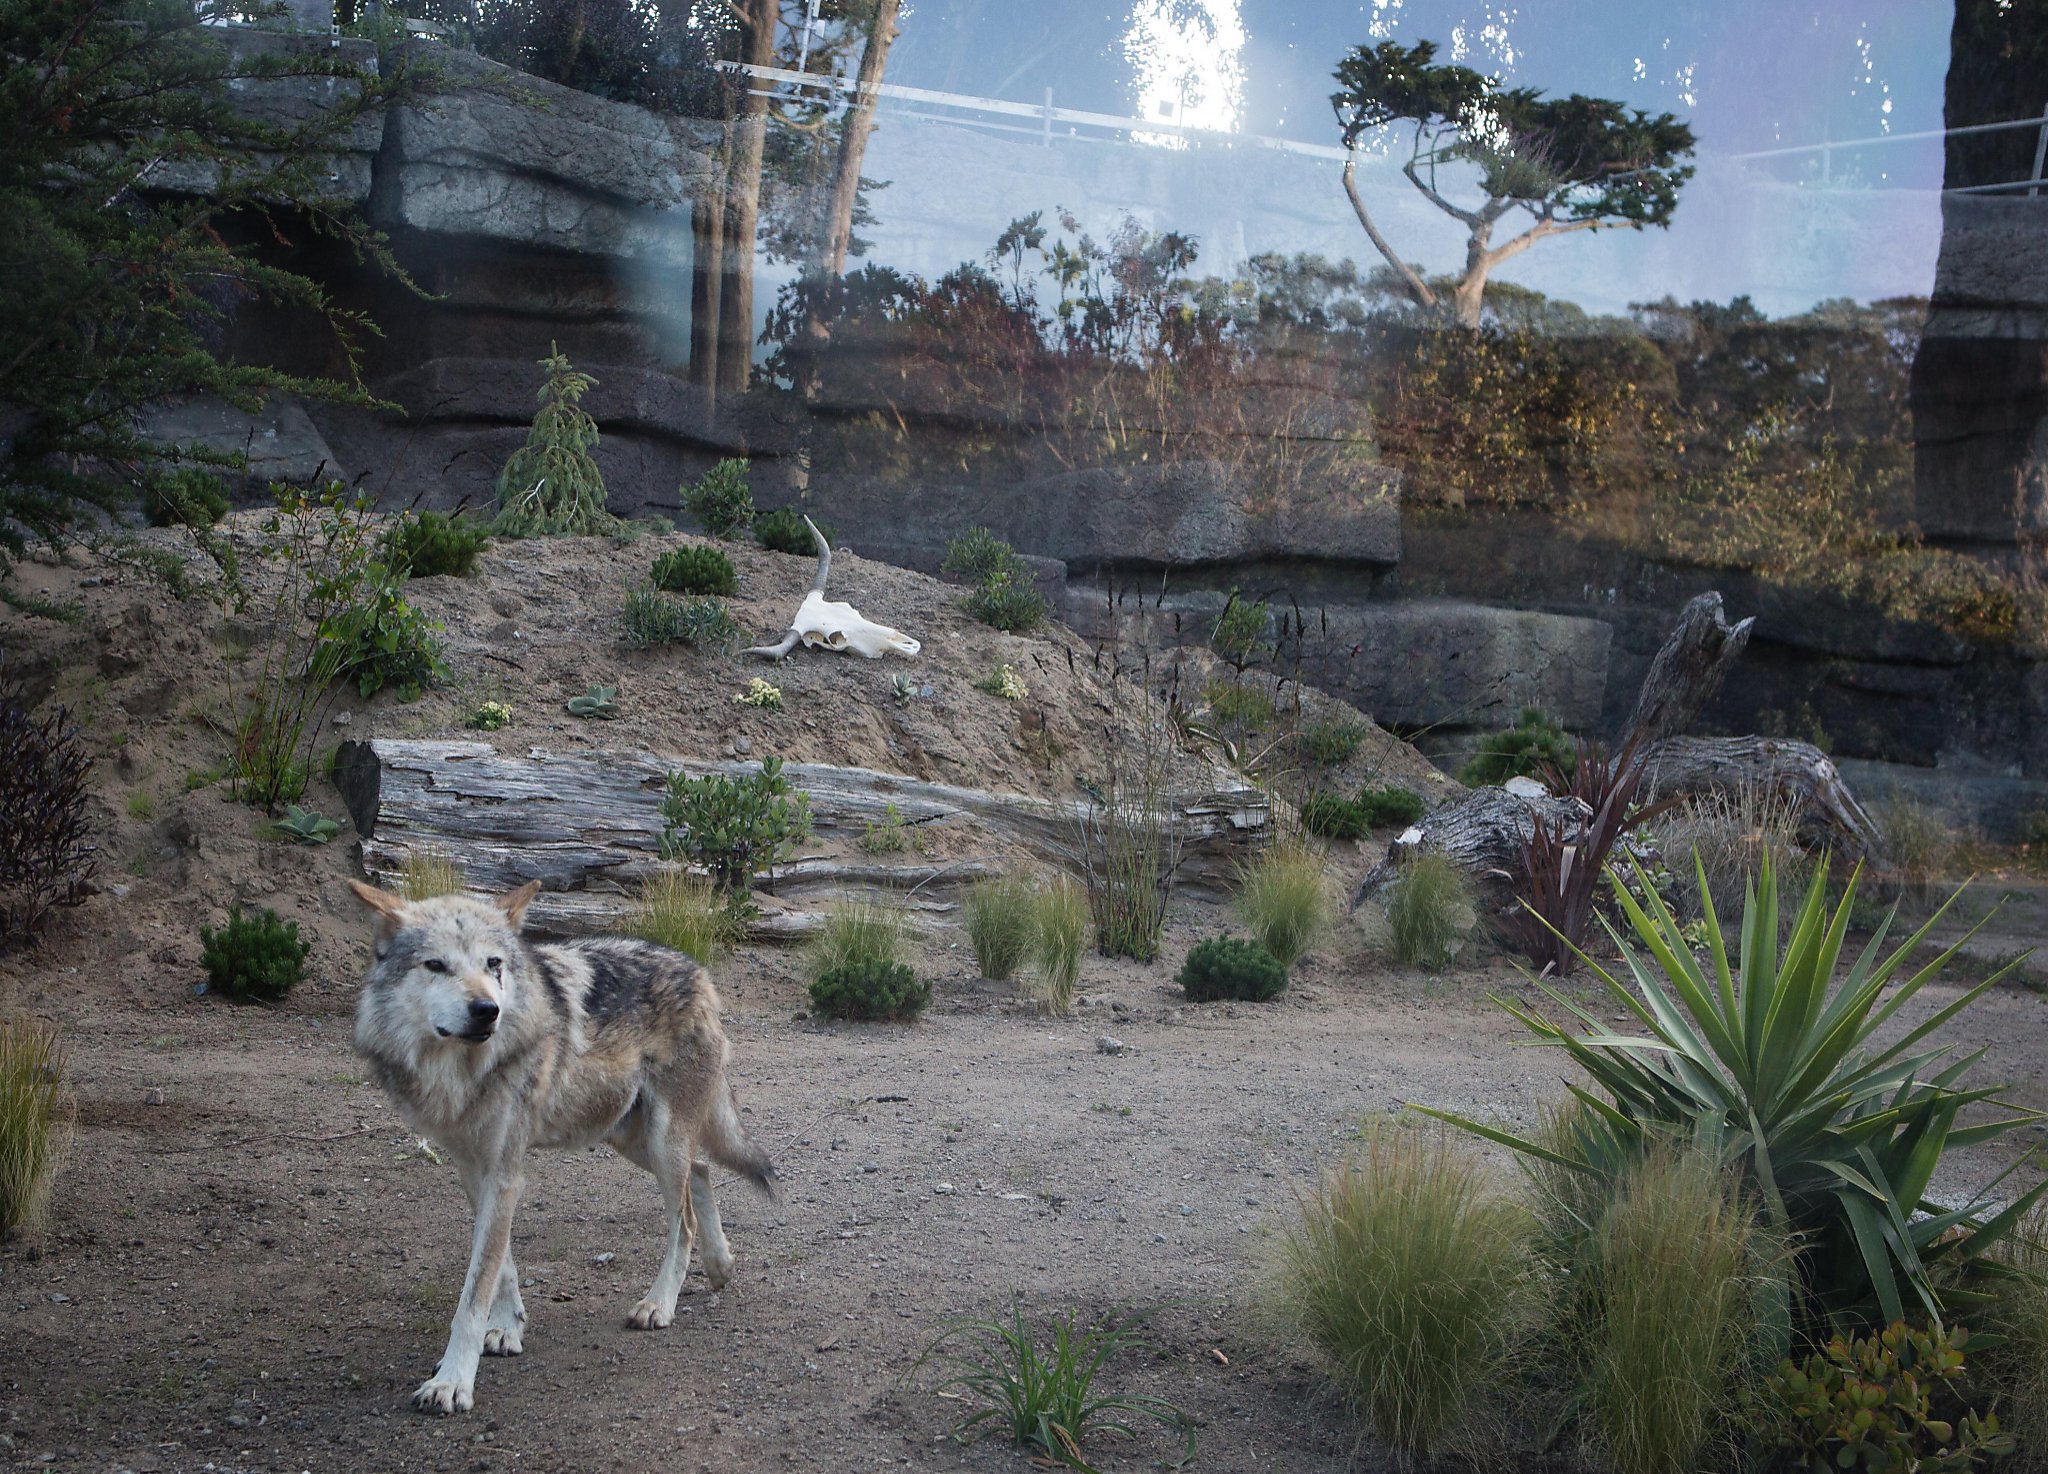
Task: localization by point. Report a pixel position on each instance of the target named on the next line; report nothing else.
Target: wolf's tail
(728, 1145)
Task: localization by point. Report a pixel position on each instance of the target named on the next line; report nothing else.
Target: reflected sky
(1750, 76)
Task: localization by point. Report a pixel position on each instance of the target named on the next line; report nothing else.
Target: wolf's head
(452, 968)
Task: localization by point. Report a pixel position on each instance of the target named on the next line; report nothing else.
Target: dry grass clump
(32, 1116)
(686, 912)
(1284, 898)
(1426, 911)
(857, 934)
(429, 873)
(1059, 934)
(999, 923)
(1729, 831)
(2014, 1365)
(1918, 845)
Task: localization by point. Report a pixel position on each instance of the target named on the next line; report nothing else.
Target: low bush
(188, 497)
(978, 556)
(1004, 682)
(653, 620)
(1059, 933)
(1331, 742)
(1388, 805)
(1416, 1282)
(429, 873)
(1523, 750)
(1238, 630)
(685, 912)
(1239, 705)
(733, 826)
(1332, 816)
(783, 531)
(46, 852)
(384, 641)
(721, 500)
(31, 1121)
(761, 695)
(999, 921)
(434, 545)
(488, 716)
(1046, 1399)
(1284, 900)
(1231, 967)
(887, 991)
(1427, 911)
(1008, 601)
(253, 958)
(1891, 1401)
(695, 570)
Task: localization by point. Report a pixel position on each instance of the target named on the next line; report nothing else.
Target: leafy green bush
(257, 958)
(1244, 706)
(1883, 1403)
(1059, 932)
(1284, 899)
(31, 1120)
(1837, 1128)
(685, 912)
(733, 826)
(1331, 742)
(1046, 1399)
(552, 486)
(1416, 1281)
(46, 850)
(1238, 630)
(384, 641)
(783, 531)
(654, 620)
(1388, 804)
(870, 990)
(978, 556)
(434, 545)
(1532, 743)
(694, 570)
(722, 500)
(999, 916)
(1231, 967)
(1333, 816)
(1428, 907)
(187, 497)
(1008, 601)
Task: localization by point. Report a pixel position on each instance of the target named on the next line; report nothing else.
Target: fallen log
(1483, 834)
(588, 825)
(1799, 771)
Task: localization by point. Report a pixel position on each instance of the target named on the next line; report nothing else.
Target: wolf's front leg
(505, 1331)
(452, 1388)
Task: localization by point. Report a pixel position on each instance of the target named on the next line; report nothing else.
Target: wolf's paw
(718, 1272)
(504, 1341)
(440, 1395)
(650, 1315)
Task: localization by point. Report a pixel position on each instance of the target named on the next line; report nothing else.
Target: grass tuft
(857, 934)
(1285, 900)
(32, 1113)
(1059, 934)
(999, 923)
(429, 873)
(685, 912)
(1426, 910)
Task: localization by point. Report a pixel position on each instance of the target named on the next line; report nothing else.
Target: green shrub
(1231, 967)
(1331, 742)
(890, 837)
(872, 990)
(1332, 816)
(1426, 911)
(384, 641)
(552, 487)
(999, 916)
(1244, 706)
(1388, 805)
(654, 620)
(1678, 1280)
(1059, 932)
(433, 545)
(783, 531)
(488, 716)
(257, 958)
(695, 570)
(721, 500)
(46, 849)
(1284, 900)
(685, 912)
(1531, 744)
(31, 1120)
(1886, 1402)
(1238, 630)
(1837, 1128)
(1045, 1399)
(1416, 1282)
(733, 826)
(978, 557)
(187, 497)
(1008, 601)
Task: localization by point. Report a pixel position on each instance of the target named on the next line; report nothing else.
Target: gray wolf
(490, 1044)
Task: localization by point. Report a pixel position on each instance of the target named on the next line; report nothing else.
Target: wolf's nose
(483, 1011)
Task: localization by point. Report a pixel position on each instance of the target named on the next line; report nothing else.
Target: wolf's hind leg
(669, 1160)
(505, 1333)
(710, 1232)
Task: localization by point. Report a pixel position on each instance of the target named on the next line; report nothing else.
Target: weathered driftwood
(588, 825)
(1482, 834)
(1798, 770)
(1687, 670)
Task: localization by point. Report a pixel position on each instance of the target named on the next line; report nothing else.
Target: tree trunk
(588, 825)
(853, 140)
(1417, 287)
(707, 239)
(1687, 670)
(742, 206)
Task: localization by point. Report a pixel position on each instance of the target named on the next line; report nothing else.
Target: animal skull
(828, 624)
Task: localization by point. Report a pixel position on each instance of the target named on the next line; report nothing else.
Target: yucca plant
(1767, 1059)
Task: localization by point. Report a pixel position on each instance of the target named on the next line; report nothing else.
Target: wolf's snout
(482, 1013)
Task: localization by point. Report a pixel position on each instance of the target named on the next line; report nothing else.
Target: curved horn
(824, 557)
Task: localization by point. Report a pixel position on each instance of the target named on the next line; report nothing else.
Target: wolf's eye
(494, 963)
(434, 964)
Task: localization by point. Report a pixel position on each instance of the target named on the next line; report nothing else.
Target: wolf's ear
(514, 903)
(390, 909)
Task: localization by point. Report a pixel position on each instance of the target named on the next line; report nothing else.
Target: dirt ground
(250, 1263)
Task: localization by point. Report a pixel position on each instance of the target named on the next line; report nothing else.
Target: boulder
(280, 440)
